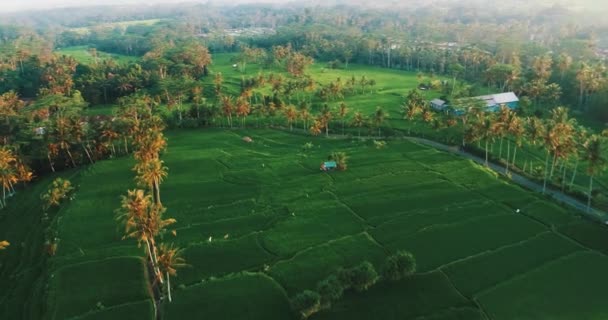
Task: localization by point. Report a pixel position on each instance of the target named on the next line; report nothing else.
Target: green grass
(481, 272)
(114, 25)
(428, 295)
(259, 222)
(82, 55)
(249, 296)
(79, 288)
(570, 288)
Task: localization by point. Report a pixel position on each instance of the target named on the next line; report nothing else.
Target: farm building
(491, 102)
(494, 101)
(438, 104)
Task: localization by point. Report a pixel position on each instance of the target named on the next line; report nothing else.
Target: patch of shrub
(341, 160)
(359, 278)
(306, 303)
(330, 289)
(398, 266)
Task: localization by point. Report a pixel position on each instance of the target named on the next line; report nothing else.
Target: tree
(317, 127)
(243, 108)
(142, 221)
(291, 114)
(306, 303)
(60, 190)
(341, 160)
(399, 265)
(596, 163)
(359, 121)
(342, 112)
(227, 108)
(169, 260)
(564, 62)
(326, 117)
(297, 64)
(150, 173)
(217, 82)
(378, 118)
(456, 69)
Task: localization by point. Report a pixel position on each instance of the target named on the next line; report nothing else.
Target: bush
(330, 289)
(398, 266)
(306, 303)
(359, 278)
(341, 160)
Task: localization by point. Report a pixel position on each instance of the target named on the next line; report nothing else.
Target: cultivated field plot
(260, 222)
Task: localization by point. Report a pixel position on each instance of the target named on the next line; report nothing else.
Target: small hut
(329, 166)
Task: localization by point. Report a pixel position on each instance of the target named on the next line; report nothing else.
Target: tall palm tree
(378, 118)
(359, 121)
(342, 113)
(326, 117)
(150, 173)
(581, 137)
(291, 114)
(515, 129)
(169, 260)
(596, 163)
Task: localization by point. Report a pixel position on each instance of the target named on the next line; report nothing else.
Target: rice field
(260, 222)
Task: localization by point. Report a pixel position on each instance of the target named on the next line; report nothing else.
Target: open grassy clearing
(82, 55)
(113, 25)
(259, 222)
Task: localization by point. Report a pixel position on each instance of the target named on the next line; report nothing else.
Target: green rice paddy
(260, 222)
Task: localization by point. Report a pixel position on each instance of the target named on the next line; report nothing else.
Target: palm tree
(326, 116)
(142, 220)
(378, 118)
(581, 137)
(317, 127)
(291, 114)
(169, 260)
(515, 128)
(227, 108)
(595, 162)
(359, 121)
(150, 173)
(342, 112)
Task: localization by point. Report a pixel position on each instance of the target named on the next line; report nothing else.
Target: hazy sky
(13, 5)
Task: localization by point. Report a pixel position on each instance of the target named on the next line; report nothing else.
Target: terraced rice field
(259, 223)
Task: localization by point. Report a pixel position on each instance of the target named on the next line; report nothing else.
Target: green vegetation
(271, 222)
(253, 222)
(88, 56)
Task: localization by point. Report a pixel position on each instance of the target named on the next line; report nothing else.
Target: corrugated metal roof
(438, 102)
(506, 97)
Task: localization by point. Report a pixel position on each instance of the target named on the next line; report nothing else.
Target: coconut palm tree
(326, 117)
(169, 260)
(358, 121)
(150, 173)
(378, 118)
(227, 108)
(291, 114)
(581, 137)
(342, 113)
(514, 127)
(317, 127)
(596, 163)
